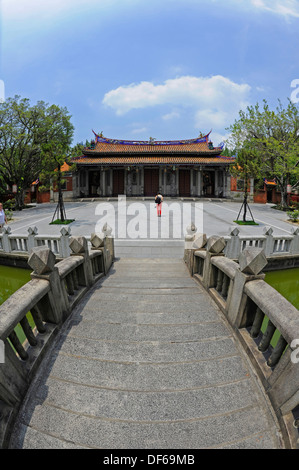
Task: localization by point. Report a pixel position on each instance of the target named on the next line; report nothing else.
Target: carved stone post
(193, 241)
(79, 247)
(65, 242)
(32, 232)
(268, 231)
(215, 247)
(234, 244)
(42, 261)
(251, 262)
(109, 239)
(105, 242)
(295, 242)
(5, 239)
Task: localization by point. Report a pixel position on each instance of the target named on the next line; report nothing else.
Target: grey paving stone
(142, 406)
(152, 351)
(83, 430)
(148, 366)
(148, 376)
(138, 333)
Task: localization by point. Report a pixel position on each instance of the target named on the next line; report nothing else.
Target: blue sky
(135, 69)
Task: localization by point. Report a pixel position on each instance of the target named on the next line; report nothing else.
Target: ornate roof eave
(101, 139)
(95, 153)
(156, 165)
(134, 160)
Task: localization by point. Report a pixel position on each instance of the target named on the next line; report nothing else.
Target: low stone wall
(14, 260)
(282, 262)
(50, 296)
(258, 314)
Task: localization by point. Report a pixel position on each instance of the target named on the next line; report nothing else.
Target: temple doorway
(118, 182)
(151, 181)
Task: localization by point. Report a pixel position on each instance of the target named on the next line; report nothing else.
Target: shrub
(293, 215)
(9, 204)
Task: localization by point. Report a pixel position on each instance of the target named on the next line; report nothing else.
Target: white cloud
(213, 101)
(140, 130)
(2, 91)
(172, 115)
(23, 9)
(285, 8)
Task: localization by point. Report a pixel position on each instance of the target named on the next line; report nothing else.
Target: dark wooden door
(184, 182)
(118, 182)
(151, 181)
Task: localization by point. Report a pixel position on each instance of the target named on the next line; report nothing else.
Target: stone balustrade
(273, 245)
(22, 244)
(266, 324)
(31, 317)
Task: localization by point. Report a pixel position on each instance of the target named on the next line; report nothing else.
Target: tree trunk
(19, 197)
(283, 193)
(244, 207)
(245, 198)
(60, 196)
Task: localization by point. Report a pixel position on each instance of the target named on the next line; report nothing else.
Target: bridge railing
(273, 245)
(266, 323)
(23, 243)
(31, 317)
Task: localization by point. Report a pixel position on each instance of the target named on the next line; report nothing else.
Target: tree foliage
(33, 138)
(270, 139)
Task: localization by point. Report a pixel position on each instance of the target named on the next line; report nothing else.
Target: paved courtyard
(137, 229)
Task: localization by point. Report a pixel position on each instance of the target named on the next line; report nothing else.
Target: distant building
(186, 168)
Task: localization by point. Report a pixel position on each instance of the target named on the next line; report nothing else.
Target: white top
(2, 217)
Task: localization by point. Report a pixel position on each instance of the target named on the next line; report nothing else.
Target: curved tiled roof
(152, 160)
(103, 145)
(106, 151)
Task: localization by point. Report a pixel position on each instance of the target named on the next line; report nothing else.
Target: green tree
(271, 138)
(20, 148)
(247, 166)
(28, 136)
(57, 134)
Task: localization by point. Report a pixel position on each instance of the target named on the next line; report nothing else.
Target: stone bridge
(149, 353)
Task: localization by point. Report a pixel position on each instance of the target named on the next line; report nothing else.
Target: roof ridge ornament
(99, 138)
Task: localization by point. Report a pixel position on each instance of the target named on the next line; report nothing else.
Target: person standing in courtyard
(3, 219)
(158, 201)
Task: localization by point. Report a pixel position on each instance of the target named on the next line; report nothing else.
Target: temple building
(185, 168)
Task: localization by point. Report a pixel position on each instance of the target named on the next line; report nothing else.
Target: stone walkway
(146, 362)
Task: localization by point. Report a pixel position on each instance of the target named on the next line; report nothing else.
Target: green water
(11, 279)
(286, 282)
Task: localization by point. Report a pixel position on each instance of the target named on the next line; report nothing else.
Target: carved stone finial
(41, 260)
(32, 231)
(6, 229)
(65, 231)
(268, 230)
(200, 241)
(78, 244)
(216, 244)
(107, 230)
(234, 231)
(191, 229)
(97, 241)
(252, 260)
